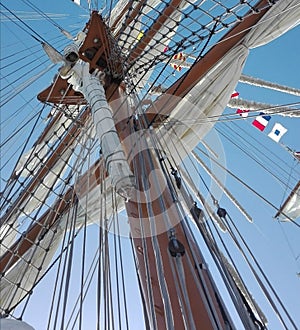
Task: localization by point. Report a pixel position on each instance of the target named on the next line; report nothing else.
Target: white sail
(11, 324)
(20, 279)
(212, 93)
(290, 209)
(8, 234)
(29, 269)
(30, 161)
(41, 192)
(33, 159)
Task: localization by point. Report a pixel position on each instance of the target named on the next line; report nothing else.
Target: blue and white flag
(277, 132)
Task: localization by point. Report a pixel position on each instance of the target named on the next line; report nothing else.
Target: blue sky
(275, 245)
(270, 240)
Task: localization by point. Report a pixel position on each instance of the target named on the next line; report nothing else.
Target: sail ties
(116, 164)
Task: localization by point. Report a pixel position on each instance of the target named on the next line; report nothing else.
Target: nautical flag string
(261, 121)
(277, 132)
(235, 94)
(179, 58)
(176, 67)
(296, 154)
(140, 35)
(242, 112)
(78, 2)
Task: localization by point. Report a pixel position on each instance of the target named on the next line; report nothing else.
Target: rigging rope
(48, 18)
(152, 314)
(35, 35)
(263, 274)
(256, 159)
(109, 291)
(248, 187)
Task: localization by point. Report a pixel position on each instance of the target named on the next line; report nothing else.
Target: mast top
(100, 50)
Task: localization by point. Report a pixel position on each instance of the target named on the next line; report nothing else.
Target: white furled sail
(8, 233)
(36, 154)
(27, 271)
(212, 93)
(48, 183)
(290, 210)
(34, 158)
(11, 324)
(116, 164)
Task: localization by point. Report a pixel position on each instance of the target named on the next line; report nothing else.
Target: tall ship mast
(123, 198)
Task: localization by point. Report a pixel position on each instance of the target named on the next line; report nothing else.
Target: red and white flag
(235, 94)
(261, 122)
(242, 113)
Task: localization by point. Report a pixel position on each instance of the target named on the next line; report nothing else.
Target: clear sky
(275, 245)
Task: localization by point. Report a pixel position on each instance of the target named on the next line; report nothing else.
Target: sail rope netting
(61, 217)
